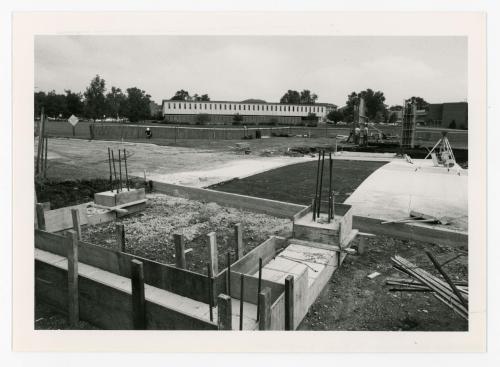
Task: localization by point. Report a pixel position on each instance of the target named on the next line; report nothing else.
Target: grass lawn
(296, 183)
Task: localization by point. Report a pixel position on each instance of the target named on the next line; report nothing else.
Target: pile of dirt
(149, 234)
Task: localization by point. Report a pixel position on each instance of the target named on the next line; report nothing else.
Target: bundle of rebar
(454, 295)
(318, 195)
(112, 169)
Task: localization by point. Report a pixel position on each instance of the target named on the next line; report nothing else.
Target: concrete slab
(393, 190)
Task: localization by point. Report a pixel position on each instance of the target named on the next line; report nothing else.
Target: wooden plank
(180, 255)
(249, 264)
(224, 313)
(163, 318)
(138, 296)
(183, 282)
(265, 309)
(120, 237)
(72, 255)
(272, 207)
(278, 314)
(300, 296)
(322, 246)
(427, 234)
(60, 219)
(251, 288)
(289, 302)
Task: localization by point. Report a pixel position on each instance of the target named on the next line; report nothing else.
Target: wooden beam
(138, 296)
(40, 216)
(238, 241)
(75, 216)
(289, 297)
(265, 309)
(72, 255)
(180, 255)
(224, 312)
(212, 253)
(120, 237)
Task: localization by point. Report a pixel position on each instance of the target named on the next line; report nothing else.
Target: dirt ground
(149, 233)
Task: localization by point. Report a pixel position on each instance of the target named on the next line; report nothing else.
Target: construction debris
(450, 293)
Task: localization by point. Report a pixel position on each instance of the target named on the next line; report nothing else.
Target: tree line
(96, 102)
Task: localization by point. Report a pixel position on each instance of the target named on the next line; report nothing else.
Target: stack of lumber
(454, 295)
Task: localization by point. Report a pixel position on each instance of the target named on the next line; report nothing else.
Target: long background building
(251, 112)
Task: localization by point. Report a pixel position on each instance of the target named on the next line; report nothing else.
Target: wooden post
(40, 140)
(224, 312)
(242, 292)
(75, 216)
(212, 253)
(40, 216)
(180, 256)
(210, 291)
(238, 238)
(138, 296)
(265, 309)
(361, 245)
(120, 236)
(289, 302)
(45, 158)
(72, 254)
(259, 287)
(228, 276)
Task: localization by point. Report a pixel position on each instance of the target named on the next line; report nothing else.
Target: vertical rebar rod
(45, 158)
(110, 170)
(241, 301)
(229, 274)
(114, 166)
(259, 286)
(330, 191)
(210, 292)
(120, 168)
(321, 183)
(126, 169)
(316, 189)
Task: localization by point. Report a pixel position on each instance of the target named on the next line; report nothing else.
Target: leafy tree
(202, 118)
(204, 97)
(306, 97)
(396, 108)
(292, 96)
(55, 105)
(237, 119)
(374, 103)
(421, 103)
(40, 98)
(116, 102)
(181, 95)
(95, 102)
(137, 104)
(335, 116)
(74, 103)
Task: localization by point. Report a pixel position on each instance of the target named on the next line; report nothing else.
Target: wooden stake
(110, 170)
(259, 285)
(238, 238)
(321, 183)
(120, 168)
(72, 255)
(45, 158)
(224, 312)
(126, 169)
(40, 141)
(228, 287)
(289, 294)
(180, 255)
(242, 292)
(210, 291)
(40, 216)
(265, 309)
(317, 183)
(114, 167)
(330, 191)
(120, 236)
(138, 296)
(212, 253)
(75, 216)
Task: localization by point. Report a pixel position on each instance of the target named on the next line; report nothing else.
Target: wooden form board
(105, 306)
(113, 198)
(251, 288)
(60, 219)
(180, 281)
(412, 232)
(249, 263)
(278, 313)
(271, 207)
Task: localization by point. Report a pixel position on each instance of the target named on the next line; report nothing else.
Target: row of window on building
(240, 107)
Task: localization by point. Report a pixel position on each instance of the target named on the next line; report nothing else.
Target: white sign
(73, 120)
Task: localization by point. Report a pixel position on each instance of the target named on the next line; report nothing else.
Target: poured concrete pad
(392, 191)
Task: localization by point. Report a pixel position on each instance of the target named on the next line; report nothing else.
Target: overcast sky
(238, 68)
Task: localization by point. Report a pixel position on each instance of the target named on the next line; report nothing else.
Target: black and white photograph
(206, 182)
